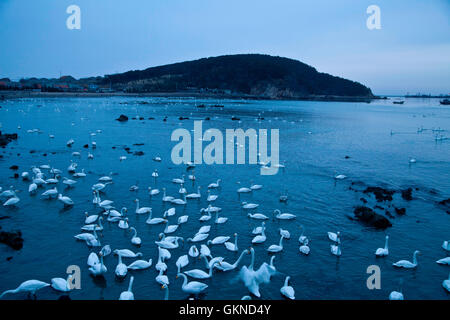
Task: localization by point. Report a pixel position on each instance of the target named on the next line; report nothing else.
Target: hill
(254, 75)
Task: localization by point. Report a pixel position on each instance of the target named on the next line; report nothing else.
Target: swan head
(417, 252)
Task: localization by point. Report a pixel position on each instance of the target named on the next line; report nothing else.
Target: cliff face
(250, 74)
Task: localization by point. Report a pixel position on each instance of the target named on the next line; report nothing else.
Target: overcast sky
(410, 53)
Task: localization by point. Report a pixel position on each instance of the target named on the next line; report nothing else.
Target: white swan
(142, 210)
(249, 206)
(60, 284)
(171, 228)
(123, 223)
(140, 265)
(198, 237)
(98, 269)
(232, 246)
(121, 268)
(336, 237)
(182, 262)
(407, 264)
(193, 251)
(128, 295)
(200, 274)
(255, 186)
(218, 240)
(304, 248)
(285, 233)
(162, 279)
(336, 249)
(182, 219)
(11, 201)
(92, 259)
(244, 190)
(287, 290)
(180, 201)
(302, 238)
(211, 197)
(29, 286)
(249, 276)
(170, 212)
(93, 226)
(204, 229)
(90, 219)
(205, 217)
(258, 230)
(382, 252)
(166, 198)
(66, 200)
(127, 253)
(445, 260)
(153, 192)
(446, 245)
(50, 192)
(160, 265)
(220, 220)
(169, 245)
(151, 220)
(446, 284)
(258, 216)
(193, 287)
(276, 248)
(225, 266)
(194, 195)
(204, 251)
(261, 238)
(284, 216)
(178, 180)
(214, 184)
(396, 295)
(135, 239)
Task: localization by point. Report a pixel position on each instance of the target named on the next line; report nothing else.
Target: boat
(398, 102)
(445, 102)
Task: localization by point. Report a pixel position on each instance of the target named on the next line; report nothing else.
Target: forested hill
(247, 74)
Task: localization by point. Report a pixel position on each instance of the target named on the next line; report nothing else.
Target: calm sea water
(315, 137)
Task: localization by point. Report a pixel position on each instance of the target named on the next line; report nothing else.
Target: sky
(410, 53)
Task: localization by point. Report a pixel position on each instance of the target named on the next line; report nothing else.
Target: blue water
(315, 137)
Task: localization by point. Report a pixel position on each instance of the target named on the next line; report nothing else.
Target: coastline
(7, 95)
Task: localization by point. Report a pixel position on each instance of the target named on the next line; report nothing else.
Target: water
(315, 137)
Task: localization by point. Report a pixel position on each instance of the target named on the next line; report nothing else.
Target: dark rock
(381, 194)
(151, 118)
(207, 118)
(4, 217)
(235, 119)
(445, 202)
(14, 167)
(13, 239)
(138, 153)
(44, 154)
(347, 157)
(218, 106)
(86, 146)
(7, 138)
(379, 207)
(9, 258)
(389, 214)
(16, 175)
(122, 118)
(165, 119)
(372, 218)
(363, 200)
(407, 194)
(400, 211)
(126, 149)
(141, 118)
(201, 106)
(138, 144)
(183, 118)
(32, 151)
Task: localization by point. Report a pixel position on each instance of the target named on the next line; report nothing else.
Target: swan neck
(253, 260)
(130, 286)
(239, 259)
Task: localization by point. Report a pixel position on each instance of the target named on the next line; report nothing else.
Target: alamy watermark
(374, 280)
(73, 22)
(374, 20)
(213, 152)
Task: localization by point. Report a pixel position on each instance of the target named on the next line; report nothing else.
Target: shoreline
(8, 95)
